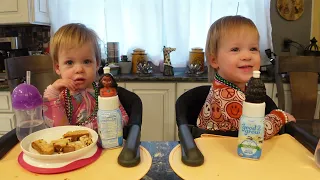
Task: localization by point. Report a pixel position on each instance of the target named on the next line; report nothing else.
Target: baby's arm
(273, 122)
(54, 107)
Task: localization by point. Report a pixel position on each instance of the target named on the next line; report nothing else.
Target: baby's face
(106, 81)
(238, 56)
(78, 64)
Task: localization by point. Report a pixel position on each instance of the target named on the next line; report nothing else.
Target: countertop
(178, 77)
(160, 167)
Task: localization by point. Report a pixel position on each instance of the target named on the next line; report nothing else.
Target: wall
(315, 31)
(298, 30)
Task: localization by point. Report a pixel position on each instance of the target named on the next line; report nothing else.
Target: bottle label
(110, 128)
(251, 136)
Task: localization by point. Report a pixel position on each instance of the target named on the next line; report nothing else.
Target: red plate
(72, 166)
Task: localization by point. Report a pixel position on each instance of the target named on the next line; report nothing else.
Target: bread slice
(77, 145)
(85, 140)
(60, 144)
(76, 134)
(68, 148)
(42, 147)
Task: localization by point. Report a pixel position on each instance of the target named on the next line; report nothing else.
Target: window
(152, 24)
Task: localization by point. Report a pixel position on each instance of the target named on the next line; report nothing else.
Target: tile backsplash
(33, 37)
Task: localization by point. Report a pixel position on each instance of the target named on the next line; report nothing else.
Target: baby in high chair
(232, 54)
(72, 99)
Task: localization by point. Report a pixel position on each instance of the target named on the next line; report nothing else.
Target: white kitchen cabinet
(5, 102)
(7, 123)
(183, 87)
(121, 84)
(24, 12)
(158, 120)
(7, 118)
(269, 89)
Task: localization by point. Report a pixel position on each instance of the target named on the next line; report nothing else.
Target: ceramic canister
(196, 56)
(138, 56)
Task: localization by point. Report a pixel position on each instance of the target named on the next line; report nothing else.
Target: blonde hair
(219, 29)
(73, 35)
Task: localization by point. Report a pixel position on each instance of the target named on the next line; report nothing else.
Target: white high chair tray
(282, 158)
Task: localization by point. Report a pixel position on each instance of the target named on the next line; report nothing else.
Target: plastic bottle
(27, 105)
(251, 128)
(109, 119)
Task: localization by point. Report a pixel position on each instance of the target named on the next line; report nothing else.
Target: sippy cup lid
(26, 96)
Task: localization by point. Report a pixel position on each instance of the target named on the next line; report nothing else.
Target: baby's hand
(290, 117)
(61, 84)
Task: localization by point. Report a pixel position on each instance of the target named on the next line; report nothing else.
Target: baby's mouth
(244, 67)
(79, 80)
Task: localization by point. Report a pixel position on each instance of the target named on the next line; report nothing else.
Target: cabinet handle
(276, 95)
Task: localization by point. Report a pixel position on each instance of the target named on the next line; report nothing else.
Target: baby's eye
(235, 49)
(254, 49)
(87, 61)
(69, 62)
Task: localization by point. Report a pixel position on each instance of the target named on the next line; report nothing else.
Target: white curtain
(152, 24)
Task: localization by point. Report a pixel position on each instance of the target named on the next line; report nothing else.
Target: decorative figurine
(107, 84)
(168, 69)
(144, 69)
(194, 70)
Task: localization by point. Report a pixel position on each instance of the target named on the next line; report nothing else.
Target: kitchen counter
(178, 77)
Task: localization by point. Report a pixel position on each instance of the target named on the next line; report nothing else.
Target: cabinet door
(269, 89)
(5, 101)
(121, 84)
(6, 123)
(14, 11)
(39, 11)
(183, 87)
(158, 101)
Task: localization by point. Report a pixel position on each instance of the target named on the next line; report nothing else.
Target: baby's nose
(245, 55)
(79, 68)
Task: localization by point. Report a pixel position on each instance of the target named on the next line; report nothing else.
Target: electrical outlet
(286, 45)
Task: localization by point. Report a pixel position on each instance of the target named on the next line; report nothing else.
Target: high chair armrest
(190, 154)
(7, 142)
(308, 140)
(130, 154)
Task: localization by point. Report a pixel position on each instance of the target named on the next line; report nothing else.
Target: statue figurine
(168, 69)
(107, 84)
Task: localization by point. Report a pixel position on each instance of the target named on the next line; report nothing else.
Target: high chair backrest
(189, 104)
(303, 76)
(41, 67)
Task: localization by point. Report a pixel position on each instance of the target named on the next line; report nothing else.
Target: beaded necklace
(222, 80)
(69, 106)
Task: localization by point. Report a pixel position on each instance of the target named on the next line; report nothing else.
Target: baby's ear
(57, 69)
(213, 62)
(98, 65)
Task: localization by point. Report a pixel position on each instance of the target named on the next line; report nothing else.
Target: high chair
(130, 154)
(188, 107)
